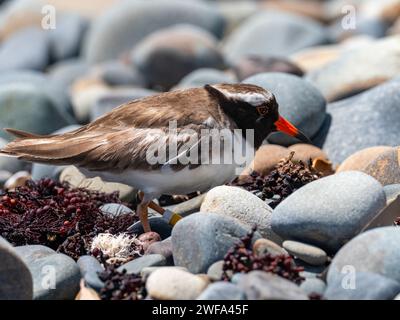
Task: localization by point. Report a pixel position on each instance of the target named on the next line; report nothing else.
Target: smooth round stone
(365, 26)
(18, 179)
(368, 119)
(157, 224)
(375, 251)
(248, 66)
(55, 276)
(67, 71)
(115, 209)
(15, 277)
(259, 285)
(174, 284)
(222, 291)
(137, 265)
(266, 158)
(76, 179)
(240, 204)
(163, 248)
(128, 22)
(202, 238)
(330, 211)
(313, 286)
(190, 206)
(40, 115)
(166, 56)
(4, 176)
(392, 191)
(149, 270)
(367, 286)
(16, 51)
(118, 73)
(358, 69)
(66, 38)
(273, 33)
(215, 271)
(203, 76)
(299, 102)
(112, 99)
(385, 168)
(361, 159)
(311, 271)
(308, 253)
(314, 58)
(40, 82)
(40, 170)
(306, 152)
(8, 163)
(90, 268)
(262, 247)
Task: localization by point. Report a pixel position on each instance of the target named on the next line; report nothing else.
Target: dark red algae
(241, 259)
(286, 178)
(53, 214)
(121, 285)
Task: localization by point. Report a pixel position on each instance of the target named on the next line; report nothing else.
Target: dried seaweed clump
(241, 259)
(116, 249)
(121, 285)
(286, 178)
(53, 214)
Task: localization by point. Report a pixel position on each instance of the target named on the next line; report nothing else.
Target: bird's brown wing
(121, 138)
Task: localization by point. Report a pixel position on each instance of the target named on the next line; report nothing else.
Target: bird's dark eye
(262, 110)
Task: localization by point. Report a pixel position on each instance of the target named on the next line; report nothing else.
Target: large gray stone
(373, 251)
(259, 285)
(359, 69)
(299, 102)
(367, 286)
(138, 264)
(55, 276)
(330, 211)
(15, 278)
(366, 120)
(240, 204)
(55, 92)
(222, 291)
(25, 108)
(201, 239)
(166, 56)
(16, 51)
(203, 76)
(90, 268)
(273, 33)
(128, 22)
(66, 38)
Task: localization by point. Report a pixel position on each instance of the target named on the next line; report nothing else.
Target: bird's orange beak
(285, 126)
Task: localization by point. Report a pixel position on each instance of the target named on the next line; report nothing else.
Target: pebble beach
(317, 221)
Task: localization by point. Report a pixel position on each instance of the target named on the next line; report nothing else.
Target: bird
(116, 146)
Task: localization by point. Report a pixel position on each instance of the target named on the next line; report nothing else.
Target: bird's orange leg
(142, 210)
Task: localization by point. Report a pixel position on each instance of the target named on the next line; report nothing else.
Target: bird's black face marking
(250, 106)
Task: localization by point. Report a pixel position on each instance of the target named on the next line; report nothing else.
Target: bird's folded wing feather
(121, 138)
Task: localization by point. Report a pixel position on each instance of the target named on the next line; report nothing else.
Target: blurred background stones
(334, 67)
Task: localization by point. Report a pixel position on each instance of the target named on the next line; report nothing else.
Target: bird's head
(253, 107)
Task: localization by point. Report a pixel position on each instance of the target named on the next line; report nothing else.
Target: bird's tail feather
(51, 149)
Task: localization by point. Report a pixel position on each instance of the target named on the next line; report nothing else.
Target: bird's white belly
(183, 181)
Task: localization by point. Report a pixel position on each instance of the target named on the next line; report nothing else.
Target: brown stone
(266, 157)
(361, 159)
(250, 65)
(386, 167)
